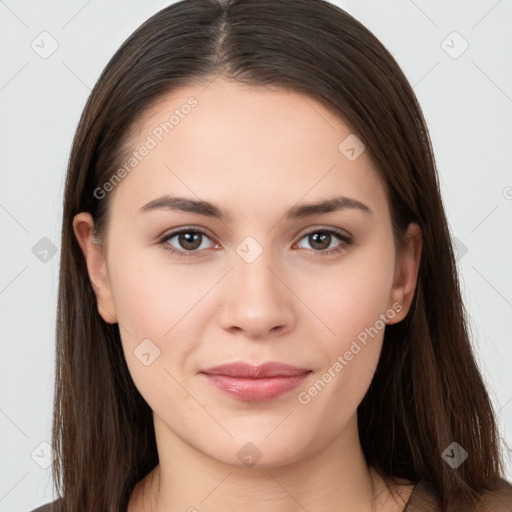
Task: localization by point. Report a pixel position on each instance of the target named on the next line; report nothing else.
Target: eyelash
(326, 252)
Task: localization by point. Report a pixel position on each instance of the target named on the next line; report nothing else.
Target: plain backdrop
(457, 56)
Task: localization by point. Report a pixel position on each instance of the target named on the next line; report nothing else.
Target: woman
(258, 300)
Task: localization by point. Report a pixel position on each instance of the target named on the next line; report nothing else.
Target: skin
(254, 152)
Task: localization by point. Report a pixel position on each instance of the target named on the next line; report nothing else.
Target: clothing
(423, 499)
(44, 508)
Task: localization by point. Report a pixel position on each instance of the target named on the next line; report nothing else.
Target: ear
(94, 255)
(406, 272)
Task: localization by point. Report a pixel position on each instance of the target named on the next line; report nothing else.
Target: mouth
(246, 382)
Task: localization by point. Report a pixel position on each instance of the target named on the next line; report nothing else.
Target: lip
(251, 383)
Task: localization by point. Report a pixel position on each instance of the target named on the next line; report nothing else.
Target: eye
(189, 241)
(321, 241)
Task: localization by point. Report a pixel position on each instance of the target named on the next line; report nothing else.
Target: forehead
(227, 141)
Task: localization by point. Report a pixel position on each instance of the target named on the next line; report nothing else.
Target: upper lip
(247, 370)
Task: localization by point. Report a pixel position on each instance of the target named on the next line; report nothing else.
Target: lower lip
(256, 390)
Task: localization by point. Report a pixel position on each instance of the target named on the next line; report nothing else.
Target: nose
(257, 299)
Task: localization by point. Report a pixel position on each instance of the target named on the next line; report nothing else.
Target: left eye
(321, 240)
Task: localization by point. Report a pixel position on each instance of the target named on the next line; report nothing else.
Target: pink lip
(255, 383)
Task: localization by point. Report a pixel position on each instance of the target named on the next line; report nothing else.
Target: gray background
(467, 101)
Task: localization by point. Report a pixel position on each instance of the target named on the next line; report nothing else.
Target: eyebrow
(296, 212)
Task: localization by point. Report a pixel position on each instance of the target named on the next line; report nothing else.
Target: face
(256, 278)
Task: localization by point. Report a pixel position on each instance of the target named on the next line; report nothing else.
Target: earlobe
(406, 272)
(94, 256)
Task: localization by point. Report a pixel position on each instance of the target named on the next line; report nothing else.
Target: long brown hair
(427, 391)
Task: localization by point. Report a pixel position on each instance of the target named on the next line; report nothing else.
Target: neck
(333, 477)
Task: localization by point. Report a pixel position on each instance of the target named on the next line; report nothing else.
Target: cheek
(353, 306)
(347, 299)
(158, 307)
(155, 313)
(351, 356)
(152, 297)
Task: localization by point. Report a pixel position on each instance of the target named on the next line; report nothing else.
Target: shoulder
(53, 506)
(425, 499)
(497, 500)
(43, 508)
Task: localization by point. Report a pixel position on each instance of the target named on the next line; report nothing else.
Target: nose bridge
(252, 270)
(257, 300)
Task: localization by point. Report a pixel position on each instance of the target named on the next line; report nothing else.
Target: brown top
(422, 499)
